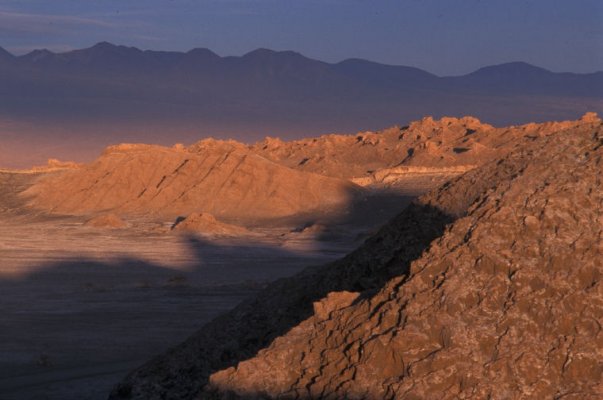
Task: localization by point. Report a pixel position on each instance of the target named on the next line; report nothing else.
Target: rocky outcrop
(507, 304)
(275, 179)
(504, 303)
(207, 225)
(106, 221)
(447, 143)
(221, 178)
(391, 176)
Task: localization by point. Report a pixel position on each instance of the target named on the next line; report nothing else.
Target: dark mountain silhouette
(5, 55)
(523, 78)
(108, 93)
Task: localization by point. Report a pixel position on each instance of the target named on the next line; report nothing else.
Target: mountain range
(109, 93)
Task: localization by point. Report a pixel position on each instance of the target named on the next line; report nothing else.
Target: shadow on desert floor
(239, 335)
(71, 320)
(72, 326)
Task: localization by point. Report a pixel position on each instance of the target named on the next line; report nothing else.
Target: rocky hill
(488, 287)
(424, 145)
(222, 178)
(273, 178)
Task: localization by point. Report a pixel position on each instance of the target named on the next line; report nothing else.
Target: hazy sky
(441, 36)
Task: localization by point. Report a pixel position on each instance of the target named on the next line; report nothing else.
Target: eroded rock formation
(207, 225)
(456, 144)
(506, 302)
(222, 178)
(107, 221)
(275, 179)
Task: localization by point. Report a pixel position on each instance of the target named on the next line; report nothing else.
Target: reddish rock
(108, 221)
(207, 225)
(507, 304)
(444, 143)
(488, 287)
(223, 178)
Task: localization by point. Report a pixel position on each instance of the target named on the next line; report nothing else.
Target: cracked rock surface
(506, 304)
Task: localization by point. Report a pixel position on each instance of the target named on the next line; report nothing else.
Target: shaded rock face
(506, 302)
(222, 178)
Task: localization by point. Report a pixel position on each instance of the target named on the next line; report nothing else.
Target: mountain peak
(38, 55)
(202, 52)
(104, 45)
(110, 47)
(5, 55)
(511, 68)
(261, 53)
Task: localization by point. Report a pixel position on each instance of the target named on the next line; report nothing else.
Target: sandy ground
(80, 306)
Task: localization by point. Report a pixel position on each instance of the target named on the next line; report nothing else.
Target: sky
(446, 37)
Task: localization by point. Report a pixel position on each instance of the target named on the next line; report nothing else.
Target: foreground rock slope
(505, 302)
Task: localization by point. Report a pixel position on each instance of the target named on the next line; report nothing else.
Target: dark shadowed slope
(506, 303)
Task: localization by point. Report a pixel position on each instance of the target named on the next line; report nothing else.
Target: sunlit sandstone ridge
(224, 179)
(273, 178)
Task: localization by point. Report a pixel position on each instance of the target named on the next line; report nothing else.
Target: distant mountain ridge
(109, 93)
(108, 51)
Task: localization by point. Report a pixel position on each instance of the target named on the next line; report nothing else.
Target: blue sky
(446, 37)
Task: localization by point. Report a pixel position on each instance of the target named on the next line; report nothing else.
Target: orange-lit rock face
(274, 179)
(444, 143)
(508, 303)
(107, 221)
(220, 178)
